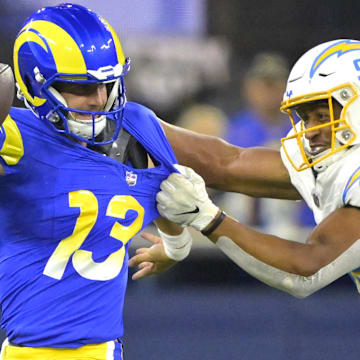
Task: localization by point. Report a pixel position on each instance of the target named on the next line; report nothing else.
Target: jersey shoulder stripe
(12, 149)
(355, 176)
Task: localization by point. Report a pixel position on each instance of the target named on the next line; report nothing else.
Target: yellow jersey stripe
(13, 149)
(353, 178)
(104, 351)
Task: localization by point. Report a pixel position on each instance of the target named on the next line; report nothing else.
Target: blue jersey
(67, 215)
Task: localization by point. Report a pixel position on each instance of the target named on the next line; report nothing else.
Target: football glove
(183, 199)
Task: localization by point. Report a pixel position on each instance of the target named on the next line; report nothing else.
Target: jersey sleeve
(144, 125)
(11, 145)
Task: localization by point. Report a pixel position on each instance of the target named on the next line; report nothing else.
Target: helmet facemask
(64, 117)
(341, 133)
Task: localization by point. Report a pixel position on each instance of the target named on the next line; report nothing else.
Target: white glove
(184, 199)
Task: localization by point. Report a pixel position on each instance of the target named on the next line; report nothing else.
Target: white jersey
(333, 188)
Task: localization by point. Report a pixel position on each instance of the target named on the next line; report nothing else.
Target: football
(7, 90)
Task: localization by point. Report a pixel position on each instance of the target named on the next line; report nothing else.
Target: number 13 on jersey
(82, 259)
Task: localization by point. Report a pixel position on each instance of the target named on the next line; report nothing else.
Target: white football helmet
(326, 72)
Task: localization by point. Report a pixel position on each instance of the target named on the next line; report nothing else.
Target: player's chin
(318, 150)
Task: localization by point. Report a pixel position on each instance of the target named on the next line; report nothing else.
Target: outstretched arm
(257, 172)
(300, 269)
(327, 242)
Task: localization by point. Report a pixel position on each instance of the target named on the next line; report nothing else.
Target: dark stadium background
(206, 307)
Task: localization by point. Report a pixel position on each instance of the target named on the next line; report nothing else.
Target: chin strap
(296, 285)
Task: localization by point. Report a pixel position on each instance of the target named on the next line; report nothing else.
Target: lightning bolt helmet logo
(339, 48)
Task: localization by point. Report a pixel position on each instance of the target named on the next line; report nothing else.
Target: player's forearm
(286, 255)
(168, 227)
(299, 269)
(257, 172)
(297, 285)
(200, 152)
(176, 239)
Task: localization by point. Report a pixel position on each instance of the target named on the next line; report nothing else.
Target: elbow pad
(296, 285)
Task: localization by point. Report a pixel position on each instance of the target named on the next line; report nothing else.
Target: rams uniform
(67, 216)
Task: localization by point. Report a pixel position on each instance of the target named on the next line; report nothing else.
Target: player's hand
(152, 260)
(183, 199)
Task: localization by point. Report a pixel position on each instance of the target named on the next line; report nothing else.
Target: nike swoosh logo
(324, 75)
(295, 79)
(196, 210)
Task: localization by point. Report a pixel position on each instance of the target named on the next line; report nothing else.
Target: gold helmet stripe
(67, 54)
(24, 37)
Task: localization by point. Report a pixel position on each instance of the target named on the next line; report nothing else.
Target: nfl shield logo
(131, 178)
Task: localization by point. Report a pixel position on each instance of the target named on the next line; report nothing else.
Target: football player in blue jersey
(80, 170)
(318, 161)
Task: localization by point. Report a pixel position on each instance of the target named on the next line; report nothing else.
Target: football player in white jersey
(319, 161)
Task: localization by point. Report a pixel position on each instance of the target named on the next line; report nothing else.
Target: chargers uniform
(335, 187)
(67, 215)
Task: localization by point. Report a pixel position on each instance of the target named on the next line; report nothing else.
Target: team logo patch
(340, 48)
(131, 178)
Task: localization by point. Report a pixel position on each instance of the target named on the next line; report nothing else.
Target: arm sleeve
(296, 285)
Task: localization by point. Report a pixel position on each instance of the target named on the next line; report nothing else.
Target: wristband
(215, 224)
(177, 247)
